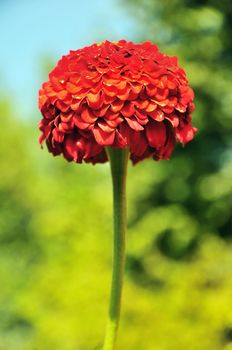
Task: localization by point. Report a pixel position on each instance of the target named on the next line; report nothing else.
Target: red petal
(180, 108)
(65, 127)
(136, 140)
(172, 83)
(41, 139)
(123, 94)
(185, 132)
(102, 111)
(66, 117)
(111, 115)
(138, 143)
(114, 123)
(141, 114)
(170, 144)
(62, 94)
(95, 100)
(136, 88)
(110, 90)
(172, 101)
(151, 107)
(120, 141)
(105, 126)
(122, 85)
(87, 116)
(79, 123)
(70, 148)
(157, 115)
(62, 106)
(57, 135)
(128, 110)
(42, 100)
(151, 90)
(142, 104)
(108, 99)
(134, 124)
(76, 104)
(103, 138)
(174, 119)
(72, 88)
(117, 105)
(168, 109)
(156, 134)
(132, 96)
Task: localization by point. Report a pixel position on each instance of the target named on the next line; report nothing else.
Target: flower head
(117, 94)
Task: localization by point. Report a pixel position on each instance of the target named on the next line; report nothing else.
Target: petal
(168, 109)
(185, 132)
(80, 123)
(111, 115)
(172, 82)
(41, 140)
(62, 94)
(156, 134)
(108, 99)
(66, 117)
(142, 104)
(72, 88)
(62, 106)
(114, 123)
(141, 115)
(105, 126)
(136, 88)
(151, 90)
(117, 105)
(120, 141)
(123, 94)
(76, 104)
(65, 127)
(57, 135)
(122, 85)
(87, 116)
(42, 100)
(170, 144)
(136, 140)
(138, 143)
(95, 100)
(102, 111)
(172, 101)
(151, 107)
(110, 82)
(70, 148)
(174, 119)
(128, 110)
(132, 96)
(103, 138)
(91, 148)
(132, 122)
(180, 108)
(157, 115)
(110, 91)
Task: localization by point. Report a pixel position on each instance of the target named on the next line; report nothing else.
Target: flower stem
(118, 161)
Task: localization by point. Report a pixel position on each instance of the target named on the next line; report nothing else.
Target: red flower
(116, 94)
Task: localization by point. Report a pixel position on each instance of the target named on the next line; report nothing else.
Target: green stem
(118, 161)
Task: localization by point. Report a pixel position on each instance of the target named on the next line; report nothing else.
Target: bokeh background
(55, 217)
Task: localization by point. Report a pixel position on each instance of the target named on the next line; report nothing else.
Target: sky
(32, 31)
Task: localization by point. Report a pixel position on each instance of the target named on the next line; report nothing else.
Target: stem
(118, 161)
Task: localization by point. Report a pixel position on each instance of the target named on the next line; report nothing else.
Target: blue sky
(31, 30)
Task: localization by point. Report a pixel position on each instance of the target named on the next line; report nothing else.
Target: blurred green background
(55, 217)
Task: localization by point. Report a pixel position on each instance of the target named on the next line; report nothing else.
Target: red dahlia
(117, 94)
